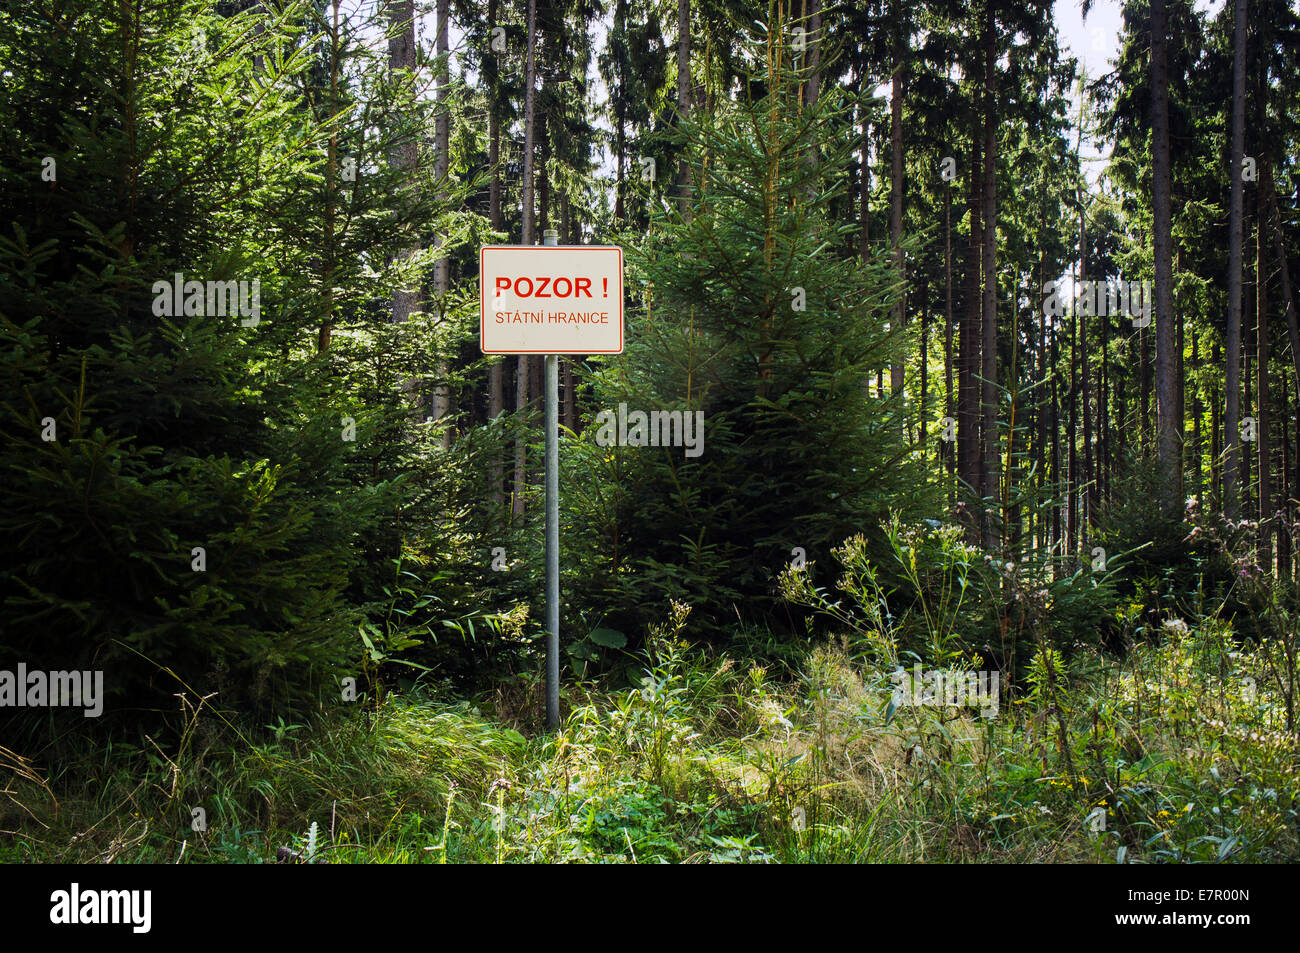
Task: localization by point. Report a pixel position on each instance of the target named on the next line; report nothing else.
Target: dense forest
(983, 548)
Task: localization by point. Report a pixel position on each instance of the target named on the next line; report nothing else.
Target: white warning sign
(549, 299)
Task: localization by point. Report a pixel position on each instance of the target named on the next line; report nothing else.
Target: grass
(1177, 752)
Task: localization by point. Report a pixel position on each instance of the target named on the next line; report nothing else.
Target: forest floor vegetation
(1176, 752)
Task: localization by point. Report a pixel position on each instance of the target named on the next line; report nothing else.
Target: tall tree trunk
(812, 87)
(864, 198)
(496, 373)
(950, 455)
(331, 176)
(1285, 496)
(523, 387)
(1284, 502)
(542, 175)
(1265, 547)
(442, 144)
(494, 127)
(1180, 376)
(1011, 533)
(1217, 457)
(1124, 393)
(1072, 441)
(1103, 420)
(989, 347)
(1041, 396)
(1055, 428)
(969, 466)
(401, 56)
(1243, 474)
(1198, 408)
(1144, 389)
(683, 95)
(864, 206)
(1167, 451)
(1085, 406)
(259, 27)
(1232, 385)
(924, 348)
(896, 200)
(620, 113)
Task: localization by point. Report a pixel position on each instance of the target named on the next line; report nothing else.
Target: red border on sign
(481, 299)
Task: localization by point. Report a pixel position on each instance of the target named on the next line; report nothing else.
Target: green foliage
(1179, 752)
(936, 598)
(753, 315)
(241, 513)
(1192, 566)
(283, 444)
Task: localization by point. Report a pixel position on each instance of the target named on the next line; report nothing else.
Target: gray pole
(551, 237)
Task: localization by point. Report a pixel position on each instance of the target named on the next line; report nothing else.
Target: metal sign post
(551, 300)
(551, 237)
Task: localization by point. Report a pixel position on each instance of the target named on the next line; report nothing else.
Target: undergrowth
(1180, 751)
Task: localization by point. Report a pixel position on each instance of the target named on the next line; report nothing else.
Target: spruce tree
(200, 498)
(755, 311)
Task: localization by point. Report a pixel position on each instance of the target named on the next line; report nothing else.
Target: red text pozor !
(545, 287)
